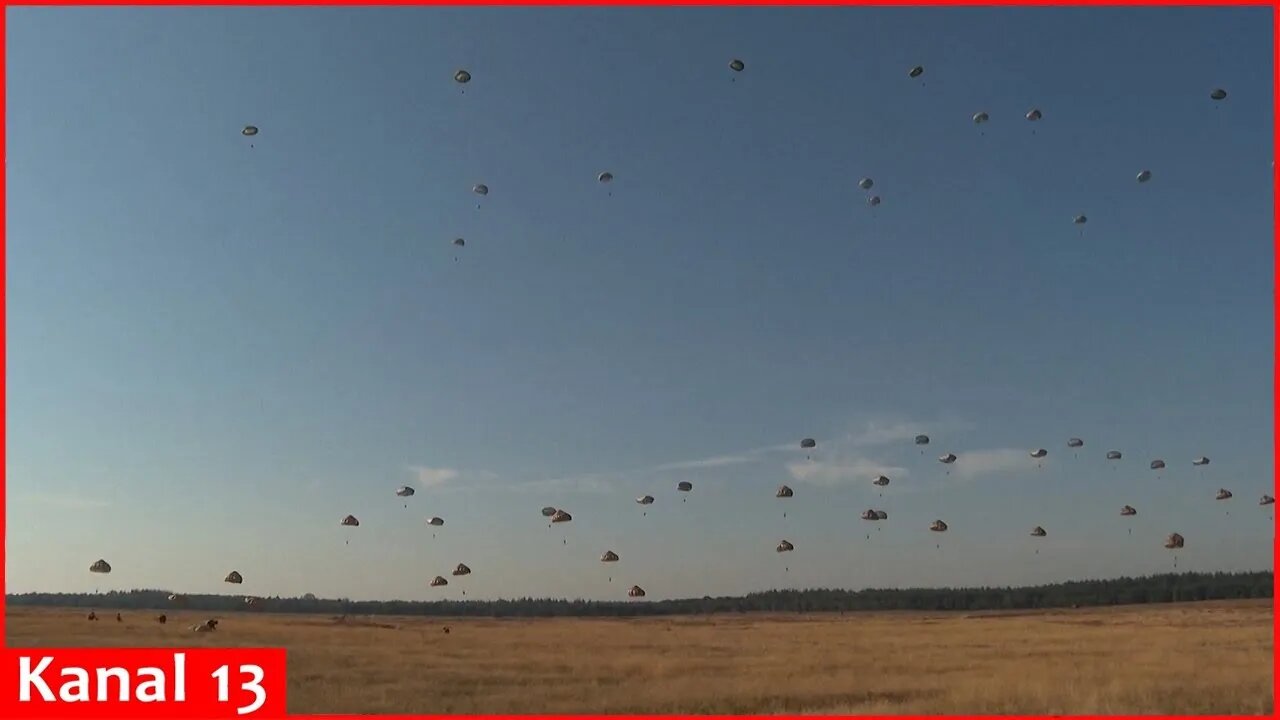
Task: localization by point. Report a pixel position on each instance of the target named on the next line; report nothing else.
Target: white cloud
(856, 470)
(591, 483)
(68, 501)
(711, 462)
(974, 463)
(429, 478)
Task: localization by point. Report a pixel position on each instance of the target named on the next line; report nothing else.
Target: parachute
(101, 566)
(1223, 494)
(605, 177)
(1174, 542)
(1040, 453)
(548, 511)
(435, 521)
(916, 71)
(947, 459)
(461, 570)
(785, 546)
(561, 516)
(480, 189)
(979, 118)
(881, 481)
(438, 581)
(1114, 455)
(1202, 460)
(869, 514)
(1267, 500)
(1218, 94)
(866, 183)
(645, 500)
(1157, 464)
(938, 526)
(459, 242)
(684, 486)
(350, 521)
(737, 65)
(233, 577)
(1080, 220)
(1144, 176)
(405, 491)
(462, 77)
(636, 592)
(1038, 531)
(609, 556)
(922, 439)
(1034, 114)
(808, 444)
(1128, 511)
(249, 130)
(1075, 443)
(874, 200)
(784, 492)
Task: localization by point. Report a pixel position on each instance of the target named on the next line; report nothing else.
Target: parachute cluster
(559, 516)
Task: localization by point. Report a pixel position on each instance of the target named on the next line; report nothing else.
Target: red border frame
(1275, 240)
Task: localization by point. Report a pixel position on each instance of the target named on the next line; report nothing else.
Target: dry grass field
(1212, 657)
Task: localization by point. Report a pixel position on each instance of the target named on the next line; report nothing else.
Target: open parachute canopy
(350, 521)
(461, 569)
(548, 511)
(808, 443)
(1174, 541)
(436, 521)
(684, 486)
(938, 526)
(1128, 510)
(1039, 453)
(405, 491)
(636, 591)
(561, 517)
(249, 130)
(881, 480)
(1202, 460)
(737, 65)
(233, 577)
(645, 500)
(981, 117)
(609, 556)
(784, 492)
(785, 546)
(916, 71)
(922, 439)
(1223, 494)
(462, 76)
(438, 581)
(1075, 443)
(1038, 531)
(1114, 455)
(947, 459)
(101, 566)
(1157, 464)
(1267, 500)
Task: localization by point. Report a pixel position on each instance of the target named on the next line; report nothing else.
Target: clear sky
(216, 351)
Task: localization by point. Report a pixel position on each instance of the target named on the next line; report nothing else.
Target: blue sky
(217, 351)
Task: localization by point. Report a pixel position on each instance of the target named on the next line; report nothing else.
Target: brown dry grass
(1183, 659)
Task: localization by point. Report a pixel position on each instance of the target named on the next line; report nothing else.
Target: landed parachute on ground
(461, 570)
(233, 577)
(636, 591)
(784, 492)
(438, 581)
(1128, 510)
(609, 556)
(101, 566)
(1174, 541)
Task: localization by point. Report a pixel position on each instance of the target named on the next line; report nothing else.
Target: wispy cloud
(974, 463)
(588, 483)
(710, 462)
(859, 470)
(67, 500)
(428, 477)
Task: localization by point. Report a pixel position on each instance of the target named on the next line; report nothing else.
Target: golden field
(1212, 657)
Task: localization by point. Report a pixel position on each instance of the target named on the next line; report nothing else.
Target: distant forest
(1163, 588)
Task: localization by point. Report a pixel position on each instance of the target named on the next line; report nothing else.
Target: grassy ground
(1180, 659)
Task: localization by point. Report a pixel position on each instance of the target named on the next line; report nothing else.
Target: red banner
(143, 683)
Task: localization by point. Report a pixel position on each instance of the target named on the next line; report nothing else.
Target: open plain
(1209, 657)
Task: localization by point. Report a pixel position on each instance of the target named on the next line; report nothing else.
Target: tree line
(1163, 588)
